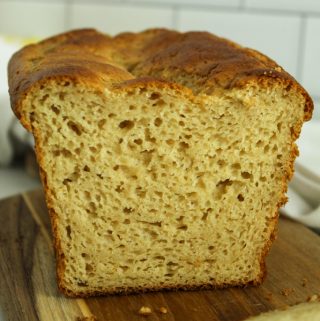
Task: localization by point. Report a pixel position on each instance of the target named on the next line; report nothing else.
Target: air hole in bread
(119, 188)
(183, 145)
(63, 152)
(205, 214)
(148, 136)
(201, 183)
(159, 103)
(66, 181)
(89, 267)
(236, 166)
(154, 96)
(62, 96)
(126, 124)
(160, 194)
(159, 257)
(138, 141)
(221, 162)
(86, 168)
(68, 231)
(76, 128)
(44, 98)
(170, 141)
(246, 175)
(124, 268)
(158, 122)
(224, 183)
(147, 156)
(127, 210)
(101, 123)
(140, 192)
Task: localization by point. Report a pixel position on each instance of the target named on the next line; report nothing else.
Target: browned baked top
(198, 61)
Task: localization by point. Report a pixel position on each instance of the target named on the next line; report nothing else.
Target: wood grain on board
(28, 289)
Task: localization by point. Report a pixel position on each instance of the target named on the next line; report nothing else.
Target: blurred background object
(286, 30)
(16, 145)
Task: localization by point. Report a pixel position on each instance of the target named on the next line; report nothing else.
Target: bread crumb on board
(268, 296)
(313, 298)
(304, 282)
(163, 310)
(287, 291)
(90, 318)
(145, 310)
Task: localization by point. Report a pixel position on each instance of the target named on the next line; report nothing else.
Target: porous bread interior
(152, 189)
(300, 312)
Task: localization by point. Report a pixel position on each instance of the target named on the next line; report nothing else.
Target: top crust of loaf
(194, 63)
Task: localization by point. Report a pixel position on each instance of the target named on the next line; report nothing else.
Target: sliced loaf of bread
(164, 156)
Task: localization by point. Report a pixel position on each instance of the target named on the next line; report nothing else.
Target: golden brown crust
(60, 262)
(199, 61)
(136, 290)
(192, 63)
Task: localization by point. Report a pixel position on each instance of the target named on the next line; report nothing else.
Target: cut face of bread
(152, 183)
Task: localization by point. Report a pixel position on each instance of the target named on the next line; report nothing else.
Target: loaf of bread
(301, 312)
(164, 156)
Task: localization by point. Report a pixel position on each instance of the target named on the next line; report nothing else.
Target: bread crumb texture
(164, 156)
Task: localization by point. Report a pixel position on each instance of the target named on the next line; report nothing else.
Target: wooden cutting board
(28, 288)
